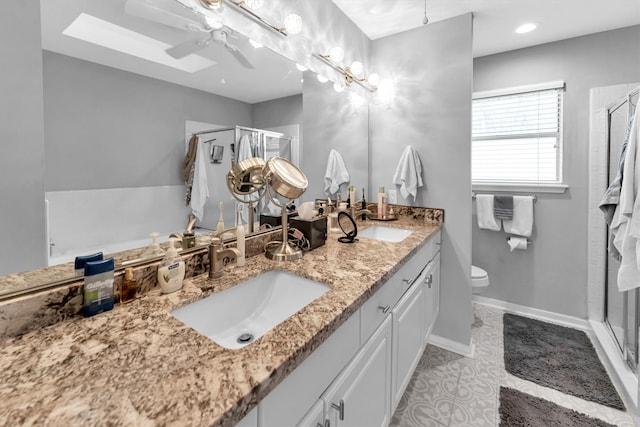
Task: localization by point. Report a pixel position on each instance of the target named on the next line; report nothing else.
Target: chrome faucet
(356, 212)
(219, 256)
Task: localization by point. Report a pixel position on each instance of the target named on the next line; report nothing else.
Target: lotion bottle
(240, 239)
(171, 271)
(380, 202)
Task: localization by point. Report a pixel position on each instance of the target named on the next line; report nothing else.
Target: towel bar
(533, 196)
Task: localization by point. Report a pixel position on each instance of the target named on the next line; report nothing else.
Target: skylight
(102, 33)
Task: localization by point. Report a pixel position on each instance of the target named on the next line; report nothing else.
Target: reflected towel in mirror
(200, 189)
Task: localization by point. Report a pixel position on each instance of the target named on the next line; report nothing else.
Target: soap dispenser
(240, 239)
(171, 271)
(154, 249)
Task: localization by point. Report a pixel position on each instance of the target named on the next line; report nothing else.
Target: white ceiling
(495, 20)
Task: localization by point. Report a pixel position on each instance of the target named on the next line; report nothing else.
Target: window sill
(519, 187)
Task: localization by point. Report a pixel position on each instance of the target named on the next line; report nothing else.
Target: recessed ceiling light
(102, 33)
(526, 28)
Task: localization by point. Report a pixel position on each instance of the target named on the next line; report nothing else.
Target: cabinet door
(431, 295)
(360, 396)
(408, 338)
(315, 416)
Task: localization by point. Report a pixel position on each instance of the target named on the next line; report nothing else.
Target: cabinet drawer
(379, 306)
(414, 266)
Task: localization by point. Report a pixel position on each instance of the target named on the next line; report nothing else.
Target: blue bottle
(83, 259)
(98, 286)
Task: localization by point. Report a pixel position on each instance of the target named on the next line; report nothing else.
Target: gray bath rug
(520, 409)
(557, 357)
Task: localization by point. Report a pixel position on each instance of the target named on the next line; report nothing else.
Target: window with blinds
(517, 137)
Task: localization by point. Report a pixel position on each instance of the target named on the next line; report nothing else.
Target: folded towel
(503, 207)
(409, 173)
(336, 173)
(484, 208)
(522, 222)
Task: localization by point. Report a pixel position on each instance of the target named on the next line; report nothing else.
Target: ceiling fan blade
(181, 50)
(239, 55)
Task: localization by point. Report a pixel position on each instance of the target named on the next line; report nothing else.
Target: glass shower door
(621, 308)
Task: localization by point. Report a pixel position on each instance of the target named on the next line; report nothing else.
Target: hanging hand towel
(200, 189)
(336, 173)
(484, 208)
(522, 222)
(626, 220)
(409, 173)
(503, 207)
(244, 150)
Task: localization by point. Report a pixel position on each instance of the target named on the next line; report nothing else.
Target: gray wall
(107, 128)
(277, 112)
(431, 111)
(332, 121)
(552, 274)
(21, 132)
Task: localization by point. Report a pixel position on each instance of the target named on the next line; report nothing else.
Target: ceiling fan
(176, 14)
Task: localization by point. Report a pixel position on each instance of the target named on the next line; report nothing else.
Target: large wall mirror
(125, 87)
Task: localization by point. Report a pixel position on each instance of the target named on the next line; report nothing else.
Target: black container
(315, 230)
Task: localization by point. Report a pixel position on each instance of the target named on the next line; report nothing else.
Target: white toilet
(479, 280)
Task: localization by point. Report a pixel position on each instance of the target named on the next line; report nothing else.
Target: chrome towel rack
(533, 196)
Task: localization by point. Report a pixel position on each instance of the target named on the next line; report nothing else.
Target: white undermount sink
(239, 315)
(387, 234)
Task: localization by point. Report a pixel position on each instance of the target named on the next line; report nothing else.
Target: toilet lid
(477, 272)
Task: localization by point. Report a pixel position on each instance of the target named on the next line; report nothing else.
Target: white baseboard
(535, 313)
(466, 350)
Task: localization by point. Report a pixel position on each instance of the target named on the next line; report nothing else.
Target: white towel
(522, 222)
(409, 173)
(200, 189)
(626, 219)
(336, 173)
(244, 150)
(484, 208)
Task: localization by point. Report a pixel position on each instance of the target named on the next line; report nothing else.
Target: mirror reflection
(125, 88)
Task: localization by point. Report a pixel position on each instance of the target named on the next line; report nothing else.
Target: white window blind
(516, 138)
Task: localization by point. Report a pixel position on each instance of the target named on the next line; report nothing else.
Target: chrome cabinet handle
(409, 281)
(385, 309)
(429, 280)
(340, 409)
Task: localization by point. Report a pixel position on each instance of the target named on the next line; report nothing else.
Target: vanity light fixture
(292, 23)
(352, 73)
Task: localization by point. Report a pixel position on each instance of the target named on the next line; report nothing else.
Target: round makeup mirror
(288, 181)
(246, 184)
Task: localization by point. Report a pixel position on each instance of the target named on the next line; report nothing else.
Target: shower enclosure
(621, 309)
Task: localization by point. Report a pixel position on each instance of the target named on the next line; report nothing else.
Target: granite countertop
(138, 365)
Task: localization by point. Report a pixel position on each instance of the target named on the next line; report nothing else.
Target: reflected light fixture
(292, 23)
(353, 73)
(301, 68)
(255, 44)
(322, 79)
(338, 87)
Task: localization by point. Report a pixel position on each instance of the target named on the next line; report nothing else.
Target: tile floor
(451, 390)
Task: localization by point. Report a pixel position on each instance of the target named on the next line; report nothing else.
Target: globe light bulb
(374, 79)
(338, 87)
(356, 68)
(336, 54)
(254, 4)
(322, 79)
(301, 68)
(293, 24)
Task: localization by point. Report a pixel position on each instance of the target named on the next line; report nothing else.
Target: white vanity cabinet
(360, 395)
(408, 337)
(431, 295)
(357, 377)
